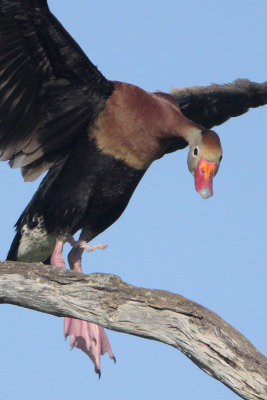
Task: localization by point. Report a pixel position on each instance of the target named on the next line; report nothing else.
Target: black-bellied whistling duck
(95, 137)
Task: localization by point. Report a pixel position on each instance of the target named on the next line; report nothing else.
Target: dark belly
(89, 192)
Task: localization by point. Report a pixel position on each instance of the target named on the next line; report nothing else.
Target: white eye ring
(195, 151)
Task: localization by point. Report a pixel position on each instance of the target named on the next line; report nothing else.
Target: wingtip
(256, 91)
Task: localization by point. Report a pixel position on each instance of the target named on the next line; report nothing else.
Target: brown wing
(49, 90)
(212, 105)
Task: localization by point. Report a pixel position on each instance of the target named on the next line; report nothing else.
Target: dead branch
(212, 344)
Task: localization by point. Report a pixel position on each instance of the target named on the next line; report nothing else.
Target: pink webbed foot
(81, 244)
(90, 338)
(86, 336)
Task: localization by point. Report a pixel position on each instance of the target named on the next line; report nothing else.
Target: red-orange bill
(203, 175)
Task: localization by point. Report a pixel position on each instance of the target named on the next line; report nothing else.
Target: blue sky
(212, 251)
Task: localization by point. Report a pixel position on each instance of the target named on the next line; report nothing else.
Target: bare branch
(215, 346)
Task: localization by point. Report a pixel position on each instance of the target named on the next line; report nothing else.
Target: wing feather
(212, 105)
(50, 92)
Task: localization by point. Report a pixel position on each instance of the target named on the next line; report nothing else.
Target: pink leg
(88, 337)
(57, 259)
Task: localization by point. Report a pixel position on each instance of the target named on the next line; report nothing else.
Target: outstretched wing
(49, 90)
(212, 105)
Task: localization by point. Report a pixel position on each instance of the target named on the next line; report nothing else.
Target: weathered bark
(215, 346)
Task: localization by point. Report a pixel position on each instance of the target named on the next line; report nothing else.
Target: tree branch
(212, 344)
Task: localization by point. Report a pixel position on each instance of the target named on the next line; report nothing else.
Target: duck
(95, 139)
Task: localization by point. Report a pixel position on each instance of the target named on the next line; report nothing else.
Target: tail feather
(32, 245)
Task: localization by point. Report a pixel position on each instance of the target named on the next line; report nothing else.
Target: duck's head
(204, 157)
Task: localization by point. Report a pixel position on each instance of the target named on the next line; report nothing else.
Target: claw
(94, 340)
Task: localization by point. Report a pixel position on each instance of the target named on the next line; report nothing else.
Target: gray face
(202, 149)
(205, 154)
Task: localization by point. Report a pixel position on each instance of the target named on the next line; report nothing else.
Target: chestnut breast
(132, 124)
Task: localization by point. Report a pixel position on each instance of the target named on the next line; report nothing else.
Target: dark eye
(220, 159)
(195, 151)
